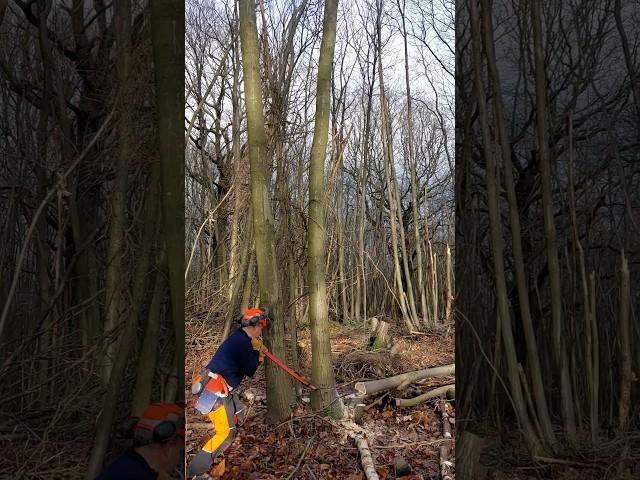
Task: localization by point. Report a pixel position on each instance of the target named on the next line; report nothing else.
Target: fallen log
(366, 460)
(375, 386)
(445, 464)
(436, 392)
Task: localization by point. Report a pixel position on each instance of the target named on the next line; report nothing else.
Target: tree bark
(167, 27)
(321, 363)
(625, 347)
(279, 388)
(115, 250)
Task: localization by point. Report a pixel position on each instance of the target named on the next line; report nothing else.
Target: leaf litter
(312, 447)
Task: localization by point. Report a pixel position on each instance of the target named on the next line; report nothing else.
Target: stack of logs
(399, 382)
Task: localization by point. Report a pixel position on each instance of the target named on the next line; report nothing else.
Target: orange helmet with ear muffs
(159, 423)
(255, 316)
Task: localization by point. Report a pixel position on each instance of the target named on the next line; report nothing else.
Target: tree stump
(379, 334)
(358, 413)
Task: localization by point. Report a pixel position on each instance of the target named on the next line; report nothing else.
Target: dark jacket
(235, 358)
(128, 466)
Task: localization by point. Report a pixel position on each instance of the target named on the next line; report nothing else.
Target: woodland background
(547, 172)
(92, 320)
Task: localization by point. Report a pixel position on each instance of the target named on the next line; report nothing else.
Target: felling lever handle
(306, 383)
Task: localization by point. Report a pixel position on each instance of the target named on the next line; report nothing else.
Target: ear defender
(255, 316)
(164, 432)
(159, 423)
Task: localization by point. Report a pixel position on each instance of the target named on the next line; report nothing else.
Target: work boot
(200, 464)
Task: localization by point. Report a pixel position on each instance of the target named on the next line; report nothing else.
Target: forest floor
(313, 447)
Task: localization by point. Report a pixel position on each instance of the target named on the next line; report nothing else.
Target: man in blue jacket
(158, 445)
(238, 356)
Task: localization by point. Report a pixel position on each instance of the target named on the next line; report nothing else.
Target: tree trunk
(167, 27)
(468, 450)
(436, 392)
(549, 227)
(114, 283)
(625, 350)
(521, 278)
(321, 363)
(497, 242)
(365, 458)
(293, 321)
(414, 182)
(279, 390)
(146, 368)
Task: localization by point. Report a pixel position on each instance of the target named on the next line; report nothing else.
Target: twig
(301, 457)
(209, 216)
(377, 401)
(311, 472)
(562, 462)
(433, 443)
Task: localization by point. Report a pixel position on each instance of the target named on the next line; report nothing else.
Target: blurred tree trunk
(279, 388)
(167, 27)
(147, 368)
(549, 227)
(238, 164)
(504, 318)
(3, 8)
(533, 361)
(114, 281)
(625, 348)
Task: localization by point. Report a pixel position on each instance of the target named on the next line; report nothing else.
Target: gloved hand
(259, 347)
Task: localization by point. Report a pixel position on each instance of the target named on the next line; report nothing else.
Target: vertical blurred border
(547, 238)
(92, 235)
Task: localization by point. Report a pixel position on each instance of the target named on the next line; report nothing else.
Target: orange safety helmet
(159, 423)
(255, 316)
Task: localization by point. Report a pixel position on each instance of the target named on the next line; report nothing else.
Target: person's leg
(240, 409)
(225, 432)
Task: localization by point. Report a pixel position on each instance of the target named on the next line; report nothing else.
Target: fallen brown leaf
(218, 470)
